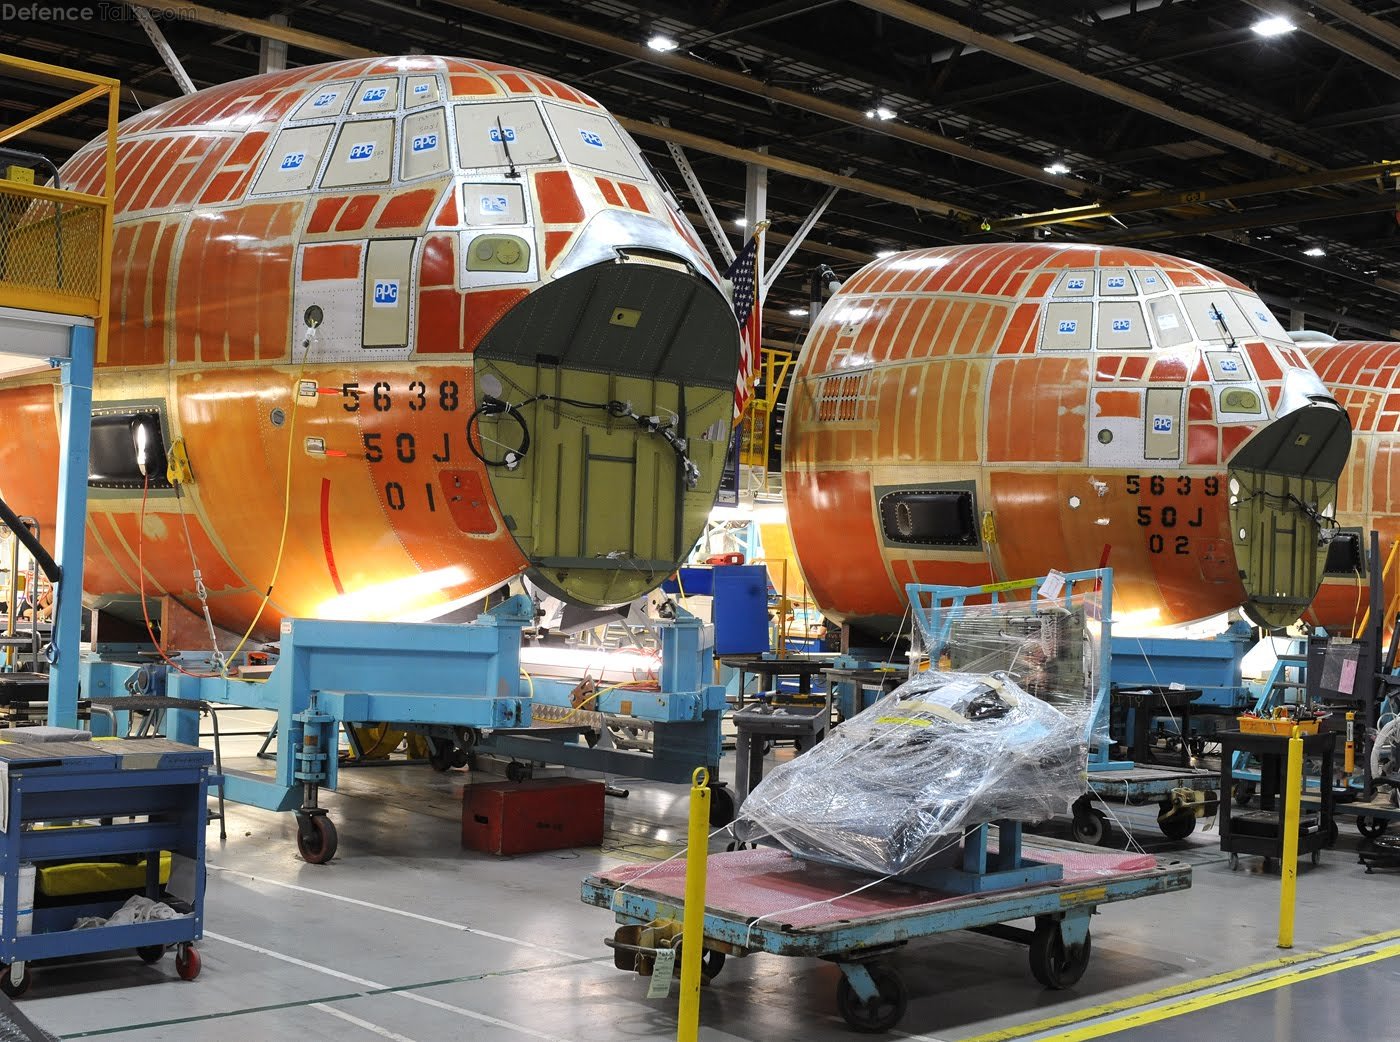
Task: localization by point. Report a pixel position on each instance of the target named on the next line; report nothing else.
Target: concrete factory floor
(407, 937)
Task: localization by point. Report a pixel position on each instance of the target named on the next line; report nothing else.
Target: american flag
(748, 309)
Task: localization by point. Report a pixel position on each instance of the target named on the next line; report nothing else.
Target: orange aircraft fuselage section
(320, 276)
(974, 414)
(1364, 376)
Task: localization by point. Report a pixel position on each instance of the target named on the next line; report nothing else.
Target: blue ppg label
(591, 139)
(364, 150)
(1117, 282)
(496, 134)
(1069, 325)
(1149, 280)
(386, 293)
(494, 204)
(373, 95)
(1122, 325)
(1161, 425)
(1214, 314)
(425, 142)
(1262, 316)
(1074, 284)
(322, 100)
(293, 160)
(419, 89)
(1229, 365)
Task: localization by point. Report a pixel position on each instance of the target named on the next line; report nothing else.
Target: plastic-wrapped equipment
(898, 784)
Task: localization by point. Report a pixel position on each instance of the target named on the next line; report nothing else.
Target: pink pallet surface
(773, 885)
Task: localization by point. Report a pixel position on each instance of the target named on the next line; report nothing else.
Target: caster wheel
(711, 962)
(1052, 964)
(518, 772)
(1198, 747)
(721, 807)
(879, 1016)
(1317, 857)
(440, 754)
(1234, 862)
(1177, 826)
(1268, 864)
(15, 987)
(1244, 792)
(187, 962)
(1332, 834)
(151, 953)
(1090, 827)
(1371, 827)
(318, 847)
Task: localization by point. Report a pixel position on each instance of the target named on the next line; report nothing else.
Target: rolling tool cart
(1259, 831)
(116, 811)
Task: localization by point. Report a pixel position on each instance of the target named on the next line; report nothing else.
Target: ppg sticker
(420, 90)
(1117, 282)
(322, 100)
(1069, 325)
(1229, 365)
(1161, 425)
(591, 139)
(1214, 314)
(496, 134)
(374, 95)
(364, 150)
(1122, 325)
(494, 204)
(293, 160)
(1262, 316)
(1149, 280)
(425, 142)
(1074, 284)
(386, 293)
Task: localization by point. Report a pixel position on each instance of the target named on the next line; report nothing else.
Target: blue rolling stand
(86, 791)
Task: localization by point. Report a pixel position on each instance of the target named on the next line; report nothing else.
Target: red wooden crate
(521, 817)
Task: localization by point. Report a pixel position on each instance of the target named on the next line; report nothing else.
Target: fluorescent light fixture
(741, 221)
(661, 42)
(1314, 251)
(1057, 167)
(882, 254)
(797, 311)
(1276, 25)
(880, 112)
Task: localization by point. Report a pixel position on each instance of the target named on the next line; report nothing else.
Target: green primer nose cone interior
(1283, 491)
(599, 503)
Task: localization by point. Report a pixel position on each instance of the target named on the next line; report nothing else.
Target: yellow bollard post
(1350, 764)
(1292, 808)
(693, 923)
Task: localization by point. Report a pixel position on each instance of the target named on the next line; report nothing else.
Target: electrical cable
(286, 498)
(141, 586)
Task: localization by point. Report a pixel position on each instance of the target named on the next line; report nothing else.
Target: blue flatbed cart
(96, 801)
(1177, 792)
(765, 900)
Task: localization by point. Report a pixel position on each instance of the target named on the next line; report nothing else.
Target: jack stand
(316, 834)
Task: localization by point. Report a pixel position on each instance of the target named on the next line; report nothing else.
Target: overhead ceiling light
(882, 254)
(1057, 168)
(660, 42)
(1314, 251)
(1274, 26)
(741, 221)
(880, 112)
(797, 311)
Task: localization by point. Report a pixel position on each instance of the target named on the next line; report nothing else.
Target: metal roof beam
(1367, 23)
(1066, 73)
(1336, 38)
(750, 85)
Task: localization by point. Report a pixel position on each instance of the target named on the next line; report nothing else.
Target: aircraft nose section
(1283, 490)
(619, 381)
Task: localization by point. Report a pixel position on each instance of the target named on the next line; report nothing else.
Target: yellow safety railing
(56, 244)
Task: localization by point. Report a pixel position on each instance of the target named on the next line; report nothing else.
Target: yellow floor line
(1172, 991)
(1144, 1017)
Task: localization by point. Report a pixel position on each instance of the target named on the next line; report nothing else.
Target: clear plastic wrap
(898, 783)
(998, 729)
